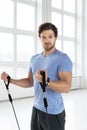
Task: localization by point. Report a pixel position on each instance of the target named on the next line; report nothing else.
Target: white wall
(85, 44)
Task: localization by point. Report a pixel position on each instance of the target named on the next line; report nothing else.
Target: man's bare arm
(64, 84)
(25, 82)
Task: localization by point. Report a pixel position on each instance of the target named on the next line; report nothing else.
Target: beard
(48, 47)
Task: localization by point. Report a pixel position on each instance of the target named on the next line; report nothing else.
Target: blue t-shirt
(54, 63)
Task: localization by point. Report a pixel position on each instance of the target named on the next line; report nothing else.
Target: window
(69, 5)
(57, 4)
(25, 47)
(6, 47)
(17, 37)
(25, 19)
(19, 20)
(65, 15)
(17, 32)
(57, 22)
(6, 13)
(69, 26)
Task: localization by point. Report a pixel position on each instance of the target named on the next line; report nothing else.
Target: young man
(57, 67)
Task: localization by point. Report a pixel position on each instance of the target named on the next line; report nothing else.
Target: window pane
(69, 26)
(59, 45)
(69, 5)
(7, 69)
(6, 47)
(56, 3)
(56, 19)
(22, 75)
(69, 48)
(25, 17)
(6, 13)
(25, 47)
(39, 46)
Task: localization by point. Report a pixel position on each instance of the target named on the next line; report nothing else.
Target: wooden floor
(75, 105)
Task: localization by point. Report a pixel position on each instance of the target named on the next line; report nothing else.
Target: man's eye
(43, 37)
(50, 36)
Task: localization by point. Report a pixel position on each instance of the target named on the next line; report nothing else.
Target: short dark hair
(48, 26)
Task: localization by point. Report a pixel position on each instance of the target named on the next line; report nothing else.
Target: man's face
(48, 39)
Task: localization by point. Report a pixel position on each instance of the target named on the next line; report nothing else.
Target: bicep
(66, 76)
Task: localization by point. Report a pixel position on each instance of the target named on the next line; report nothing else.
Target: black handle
(43, 77)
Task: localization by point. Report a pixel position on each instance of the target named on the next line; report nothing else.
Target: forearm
(60, 86)
(25, 83)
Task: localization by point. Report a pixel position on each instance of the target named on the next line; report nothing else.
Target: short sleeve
(65, 64)
(30, 68)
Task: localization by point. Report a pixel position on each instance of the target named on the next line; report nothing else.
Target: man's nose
(47, 40)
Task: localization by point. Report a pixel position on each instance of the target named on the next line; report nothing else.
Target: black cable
(44, 85)
(45, 103)
(11, 100)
